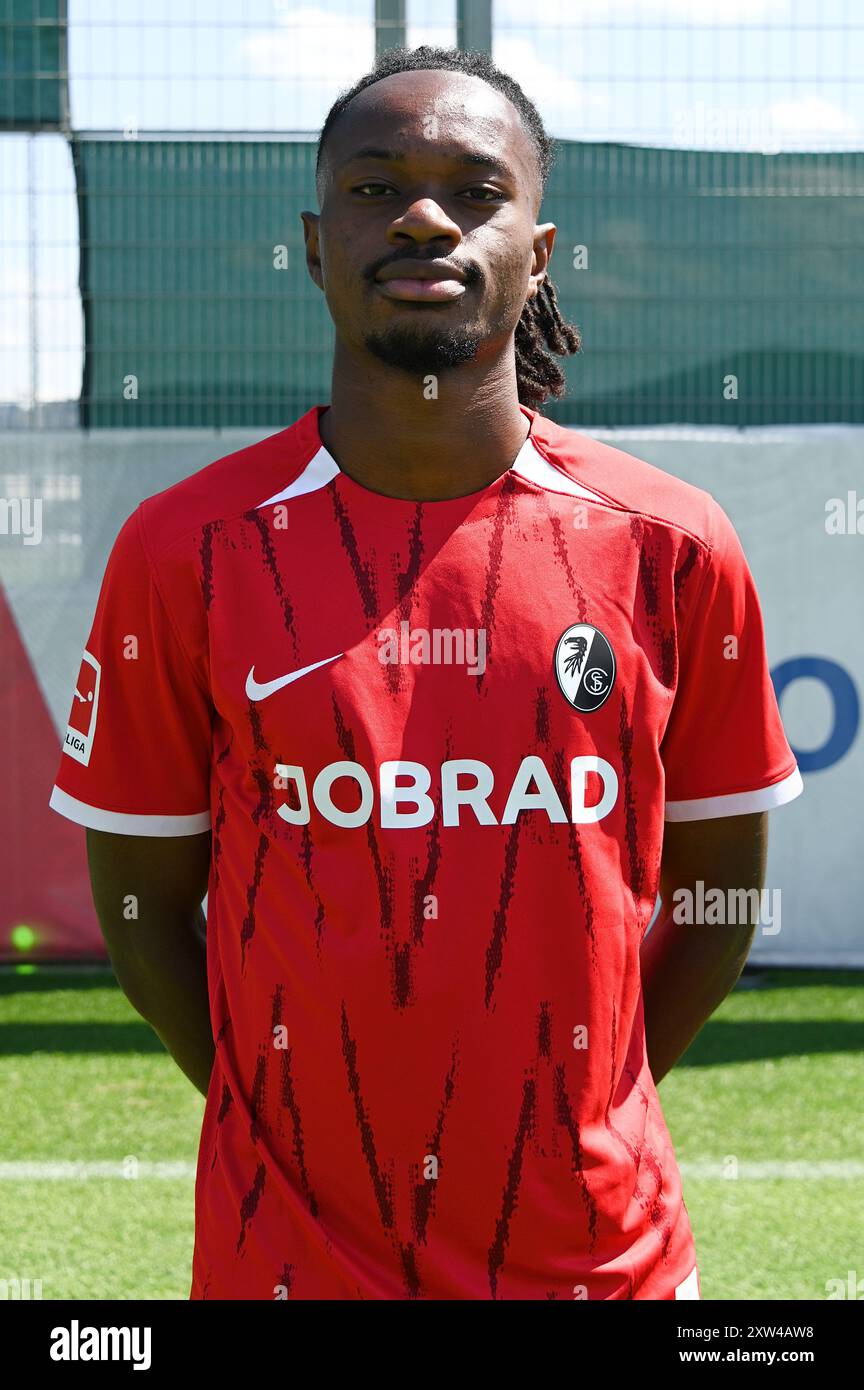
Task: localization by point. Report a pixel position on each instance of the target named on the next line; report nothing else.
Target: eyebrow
(474, 157)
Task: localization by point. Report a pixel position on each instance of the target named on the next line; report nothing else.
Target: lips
(421, 281)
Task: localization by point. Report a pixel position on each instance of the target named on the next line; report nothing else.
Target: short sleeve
(724, 750)
(136, 750)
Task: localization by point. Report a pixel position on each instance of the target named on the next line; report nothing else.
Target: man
(410, 688)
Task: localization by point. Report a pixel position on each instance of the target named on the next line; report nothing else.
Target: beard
(423, 350)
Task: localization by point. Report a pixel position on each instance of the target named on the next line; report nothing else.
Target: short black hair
(394, 60)
(541, 325)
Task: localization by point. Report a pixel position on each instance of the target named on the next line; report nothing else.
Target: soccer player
(418, 690)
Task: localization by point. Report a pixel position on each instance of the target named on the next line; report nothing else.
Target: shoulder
(229, 487)
(630, 484)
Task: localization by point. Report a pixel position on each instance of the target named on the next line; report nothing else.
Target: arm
(148, 892)
(688, 969)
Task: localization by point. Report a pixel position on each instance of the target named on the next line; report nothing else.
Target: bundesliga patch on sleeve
(82, 716)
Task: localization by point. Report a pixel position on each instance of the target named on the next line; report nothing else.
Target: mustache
(473, 275)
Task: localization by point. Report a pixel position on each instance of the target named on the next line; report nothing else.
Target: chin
(409, 350)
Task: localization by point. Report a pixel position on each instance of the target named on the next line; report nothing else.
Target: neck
(386, 435)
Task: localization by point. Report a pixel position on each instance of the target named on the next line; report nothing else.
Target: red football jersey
(435, 743)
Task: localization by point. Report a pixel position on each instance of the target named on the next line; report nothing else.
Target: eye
(359, 187)
(490, 193)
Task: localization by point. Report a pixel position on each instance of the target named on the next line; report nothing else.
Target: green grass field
(775, 1080)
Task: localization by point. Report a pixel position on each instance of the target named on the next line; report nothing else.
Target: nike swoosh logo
(257, 691)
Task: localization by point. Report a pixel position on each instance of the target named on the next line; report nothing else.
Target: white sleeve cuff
(738, 803)
(122, 823)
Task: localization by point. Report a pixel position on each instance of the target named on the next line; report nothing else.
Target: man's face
(427, 167)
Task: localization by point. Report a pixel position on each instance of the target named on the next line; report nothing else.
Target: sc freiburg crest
(584, 667)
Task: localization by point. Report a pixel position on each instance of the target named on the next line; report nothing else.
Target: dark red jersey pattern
(435, 744)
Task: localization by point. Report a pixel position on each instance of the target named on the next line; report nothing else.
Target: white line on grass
(794, 1170)
(131, 1170)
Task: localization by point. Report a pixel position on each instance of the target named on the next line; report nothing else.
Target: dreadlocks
(541, 330)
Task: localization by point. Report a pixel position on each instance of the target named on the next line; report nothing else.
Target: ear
(544, 240)
(313, 256)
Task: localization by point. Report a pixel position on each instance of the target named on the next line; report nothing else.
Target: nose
(424, 220)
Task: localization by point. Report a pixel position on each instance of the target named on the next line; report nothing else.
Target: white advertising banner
(796, 498)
